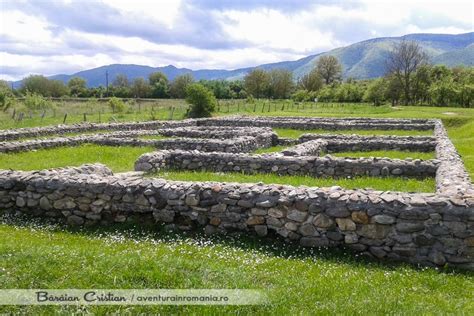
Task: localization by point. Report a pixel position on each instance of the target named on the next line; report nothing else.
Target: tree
(35, 84)
(179, 85)
(402, 63)
(311, 81)
(220, 88)
(329, 68)
(348, 92)
(257, 82)
(159, 85)
(121, 86)
(43, 86)
(77, 87)
(394, 90)
(463, 78)
(281, 83)
(201, 99)
(57, 88)
(7, 98)
(375, 91)
(34, 102)
(117, 105)
(121, 81)
(421, 84)
(140, 88)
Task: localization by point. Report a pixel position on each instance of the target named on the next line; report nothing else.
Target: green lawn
(296, 280)
(119, 159)
(293, 133)
(153, 137)
(394, 154)
(269, 150)
(384, 184)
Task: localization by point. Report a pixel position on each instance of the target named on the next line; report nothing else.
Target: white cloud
(275, 30)
(25, 28)
(164, 11)
(31, 43)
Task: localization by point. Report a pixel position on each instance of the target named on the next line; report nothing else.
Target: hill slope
(361, 60)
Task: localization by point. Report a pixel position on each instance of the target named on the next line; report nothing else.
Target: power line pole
(107, 82)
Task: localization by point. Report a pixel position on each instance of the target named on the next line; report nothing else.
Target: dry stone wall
(32, 132)
(327, 166)
(309, 148)
(340, 143)
(452, 177)
(306, 123)
(419, 228)
(236, 145)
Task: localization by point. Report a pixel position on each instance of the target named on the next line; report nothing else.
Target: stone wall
(306, 123)
(32, 132)
(235, 145)
(419, 228)
(452, 177)
(340, 143)
(298, 165)
(310, 148)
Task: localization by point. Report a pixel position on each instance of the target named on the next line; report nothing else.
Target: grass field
(297, 281)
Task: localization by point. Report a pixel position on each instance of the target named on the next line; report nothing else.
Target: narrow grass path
(394, 154)
(269, 150)
(119, 159)
(293, 133)
(383, 184)
(153, 137)
(296, 280)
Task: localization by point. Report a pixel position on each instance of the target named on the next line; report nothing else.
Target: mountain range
(362, 60)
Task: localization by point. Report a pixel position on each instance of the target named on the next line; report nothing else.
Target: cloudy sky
(66, 36)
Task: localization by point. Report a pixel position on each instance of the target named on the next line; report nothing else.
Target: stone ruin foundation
(432, 229)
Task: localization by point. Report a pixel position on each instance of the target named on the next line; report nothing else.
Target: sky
(66, 36)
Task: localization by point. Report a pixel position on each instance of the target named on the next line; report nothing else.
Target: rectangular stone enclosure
(433, 229)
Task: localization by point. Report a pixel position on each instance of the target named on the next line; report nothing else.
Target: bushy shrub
(304, 96)
(375, 92)
(36, 102)
(7, 98)
(117, 105)
(202, 101)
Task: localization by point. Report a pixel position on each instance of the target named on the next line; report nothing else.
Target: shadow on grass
(272, 245)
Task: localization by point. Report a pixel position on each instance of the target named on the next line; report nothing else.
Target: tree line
(409, 79)
(156, 85)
